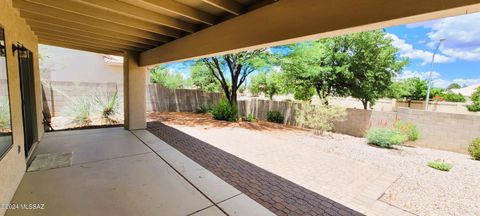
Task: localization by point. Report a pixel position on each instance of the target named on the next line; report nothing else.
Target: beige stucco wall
(62, 64)
(12, 166)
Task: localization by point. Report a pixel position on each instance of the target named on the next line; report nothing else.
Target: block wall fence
(439, 130)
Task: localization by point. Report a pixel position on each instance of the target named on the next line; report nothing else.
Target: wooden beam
(86, 43)
(290, 21)
(183, 10)
(38, 26)
(77, 28)
(53, 13)
(142, 14)
(101, 14)
(46, 32)
(230, 6)
(79, 47)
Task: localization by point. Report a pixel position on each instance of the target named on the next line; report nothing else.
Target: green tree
(232, 70)
(476, 95)
(319, 67)
(412, 89)
(268, 82)
(203, 79)
(162, 76)
(454, 86)
(452, 97)
(475, 106)
(374, 63)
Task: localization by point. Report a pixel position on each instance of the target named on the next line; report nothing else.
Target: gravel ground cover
(419, 189)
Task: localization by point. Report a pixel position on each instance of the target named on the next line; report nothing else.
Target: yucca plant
(79, 110)
(108, 106)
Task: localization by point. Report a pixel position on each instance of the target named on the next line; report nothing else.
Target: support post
(134, 82)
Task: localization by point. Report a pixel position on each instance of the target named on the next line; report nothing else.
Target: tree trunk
(365, 104)
(233, 100)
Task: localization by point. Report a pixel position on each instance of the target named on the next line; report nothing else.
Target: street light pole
(429, 84)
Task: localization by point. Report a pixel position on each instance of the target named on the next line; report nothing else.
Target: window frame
(11, 144)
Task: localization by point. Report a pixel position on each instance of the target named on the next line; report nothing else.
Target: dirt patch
(206, 120)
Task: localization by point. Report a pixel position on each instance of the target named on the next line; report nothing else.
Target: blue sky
(458, 59)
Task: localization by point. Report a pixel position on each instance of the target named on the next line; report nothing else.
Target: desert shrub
(475, 107)
(385, 137)
(204, 108)
(474, 149)
(453, 97)
(225, 111)
(249, 118)
(407, 128)
(4, 114)
(275, 116)
(440, 165)
(108, 106)
(319, 118)
(79, 110)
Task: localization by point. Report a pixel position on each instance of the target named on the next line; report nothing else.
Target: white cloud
(407, 50)
(467, 82)
(470, 55)
(462, 34)
(440, 83)
(411, 74)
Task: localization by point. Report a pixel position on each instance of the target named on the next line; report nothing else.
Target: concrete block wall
(445, 131)
(358, 121)
(60, 93)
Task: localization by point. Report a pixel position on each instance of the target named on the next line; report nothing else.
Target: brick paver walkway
(279, 195)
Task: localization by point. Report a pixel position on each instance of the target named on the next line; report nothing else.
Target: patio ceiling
(114, 26)
(173, 30)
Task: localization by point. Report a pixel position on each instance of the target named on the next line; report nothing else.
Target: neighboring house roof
(467, 91)
(113, 60)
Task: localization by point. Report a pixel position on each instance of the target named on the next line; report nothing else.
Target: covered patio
(119, 172)
(129, 171)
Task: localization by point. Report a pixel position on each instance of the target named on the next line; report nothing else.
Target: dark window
(5, 122)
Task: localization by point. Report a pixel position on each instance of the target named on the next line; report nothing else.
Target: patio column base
(134, 87)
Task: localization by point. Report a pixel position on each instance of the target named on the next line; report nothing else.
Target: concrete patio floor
(119, 172)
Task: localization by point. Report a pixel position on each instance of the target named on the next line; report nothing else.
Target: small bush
(474, 149)
(250, 118)
(205, 108)
(275, 116)
(440, 165)
(407, 128)
(320, 118)
(225, 111)
(475, 107)
(385, 137)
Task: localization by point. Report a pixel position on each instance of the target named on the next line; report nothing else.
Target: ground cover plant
(440, 165)
(385, 137)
